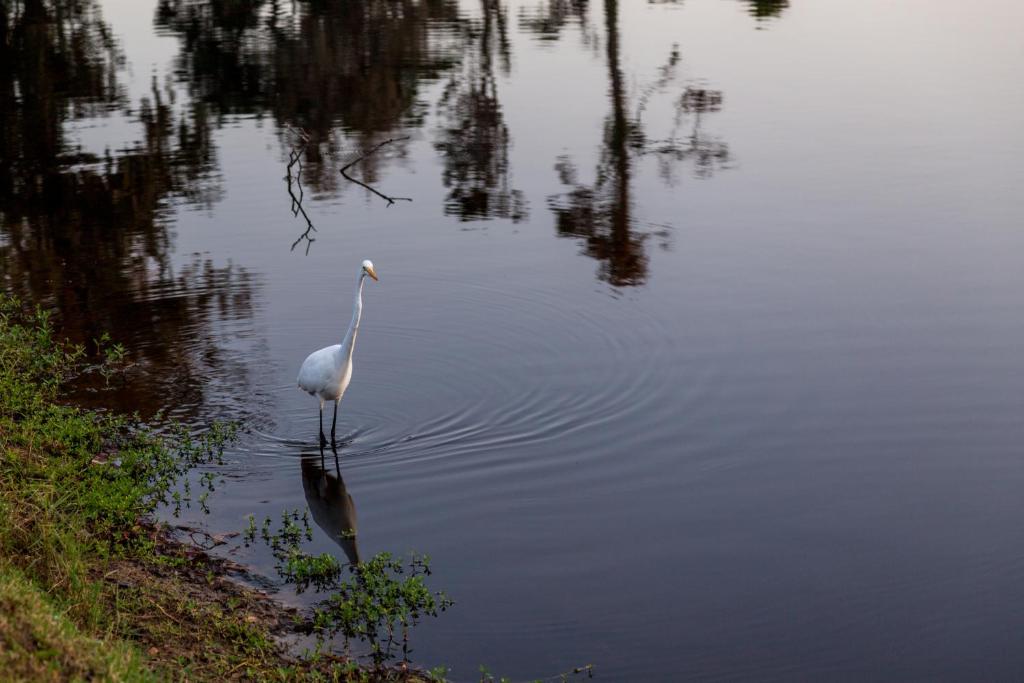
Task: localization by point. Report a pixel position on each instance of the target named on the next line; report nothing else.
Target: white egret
(327, 372)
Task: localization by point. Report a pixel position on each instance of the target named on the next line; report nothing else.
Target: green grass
(39, 643)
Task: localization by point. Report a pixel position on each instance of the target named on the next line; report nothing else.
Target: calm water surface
(696, 354)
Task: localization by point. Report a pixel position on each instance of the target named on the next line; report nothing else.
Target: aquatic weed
(376, 602)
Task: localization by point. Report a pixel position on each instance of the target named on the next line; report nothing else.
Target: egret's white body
(326, 373)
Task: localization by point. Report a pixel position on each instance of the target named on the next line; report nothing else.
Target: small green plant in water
(166, 471)
(376, 602)
(113, 357)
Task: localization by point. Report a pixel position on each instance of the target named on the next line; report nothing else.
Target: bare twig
(157, 605)
(389, 200)
(203, 539)
(295, 160)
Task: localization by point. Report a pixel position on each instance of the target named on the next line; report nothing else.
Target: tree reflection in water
(601, 214)
(352, 75)
(329, 68)
(85, 235)
(474, 140)
(549, 20)
(766, 9)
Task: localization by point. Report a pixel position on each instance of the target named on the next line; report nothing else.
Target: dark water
(696, 354)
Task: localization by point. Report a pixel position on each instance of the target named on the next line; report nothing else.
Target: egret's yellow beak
(372, 273)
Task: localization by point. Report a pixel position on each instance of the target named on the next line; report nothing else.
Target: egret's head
(368, 269)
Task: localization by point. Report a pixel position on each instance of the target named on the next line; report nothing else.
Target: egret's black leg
(334, 422)
(323, 439)
(322, 466)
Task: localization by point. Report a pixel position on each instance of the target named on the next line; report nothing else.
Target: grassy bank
(90, 587)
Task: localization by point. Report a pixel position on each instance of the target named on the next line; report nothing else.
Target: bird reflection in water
(329, 502)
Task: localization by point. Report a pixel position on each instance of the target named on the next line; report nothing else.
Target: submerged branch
(388, 199)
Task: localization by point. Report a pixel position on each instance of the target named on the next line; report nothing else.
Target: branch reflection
(294, 182)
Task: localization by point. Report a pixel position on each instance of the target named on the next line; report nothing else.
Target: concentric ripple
(527, 368)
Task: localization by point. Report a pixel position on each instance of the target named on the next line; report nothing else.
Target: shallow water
(696, 354)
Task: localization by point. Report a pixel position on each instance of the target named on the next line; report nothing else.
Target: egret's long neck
(349, 342)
